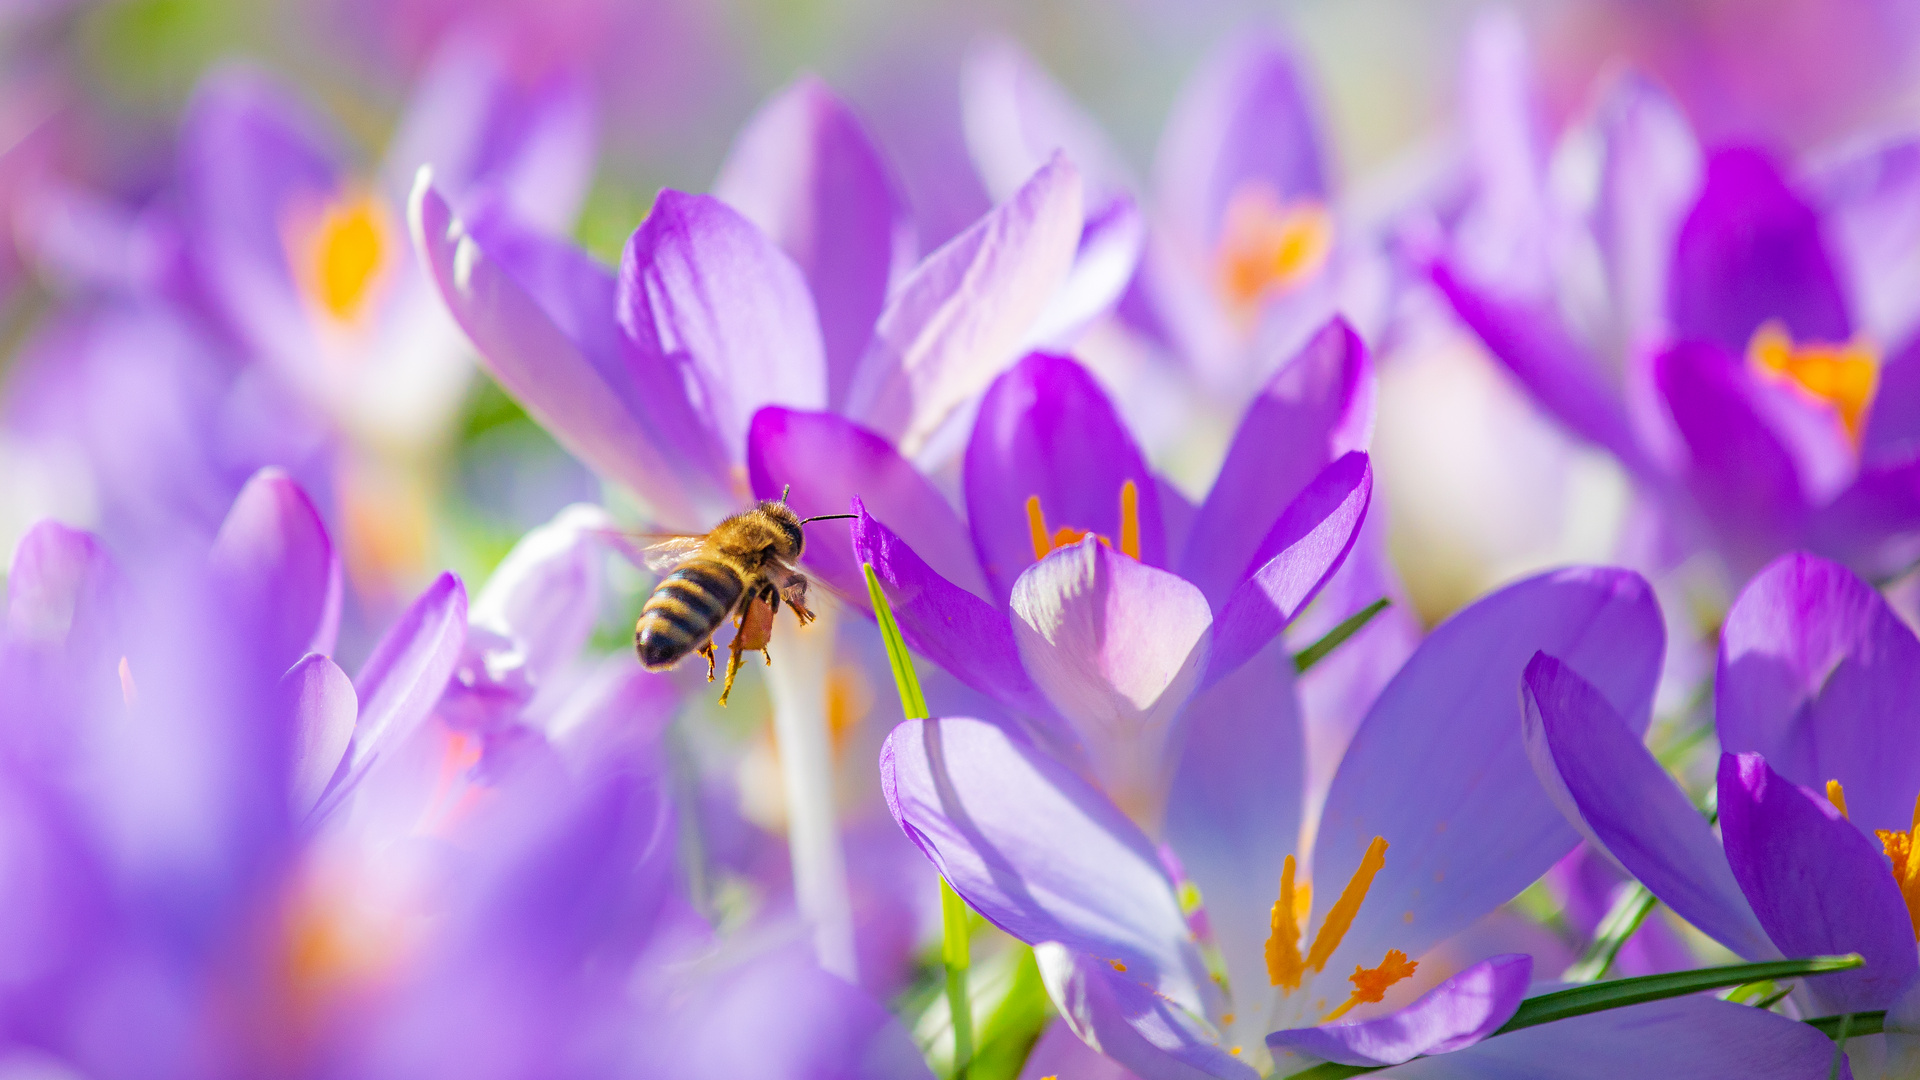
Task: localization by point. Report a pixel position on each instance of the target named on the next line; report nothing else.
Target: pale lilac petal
(960, 318)
(1319, 406)
(545, 594)
(565, 366)
(1155, 1038)
(1818, 675)
(1751, 250)
(1610, 788)
(1245, 119)
(1874, 525)
(944, 622)
(1233, 815)
(1458, 1013)
(1869, 201)
(1016, 117)
(1439, 767)
(971, 795)
(403, 679)
(1046, 429)
(1695, 1037)
(321, 707)
(1817, 883)
(706, 287)
(63, 588)
(1302, 551)
(1060, 1052)
(1651, 176)
(1117, 647)
(1892, 431)
(807, 173)
(1103, 271)
(274, 553)
(828, 462)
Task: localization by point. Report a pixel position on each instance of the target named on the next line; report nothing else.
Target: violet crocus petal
(1873, 525)
(1319, 406)
(962, 633)
(1303, 549)
(321, 708)
(546, 593)
(1016, 116)
(63, 588)
(1117, 646)
(1454, 1015)
(806, 172)
(713, 289)
(409, 669)
(1535, 346)
(1650, 177)
(1743, 477)
(1244, 119)
(959, 319)
(1750, 251)
(1869, 200)
(1234, 811)
(1694, 1037)
(1611, 789)
(969, 793)
(1819, 675)
(1059, 1052)
(273, 552)
(564, 364)
(1045, 429)
(1156, 1039)
(1817, 884)
(1103, 269)
(829, 461)
(479, 127)
(1439, 767)
(1892, 432)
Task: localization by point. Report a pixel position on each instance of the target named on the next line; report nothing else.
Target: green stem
(1622, 919)
(955, 952)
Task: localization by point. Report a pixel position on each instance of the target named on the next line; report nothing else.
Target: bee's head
(795, 538)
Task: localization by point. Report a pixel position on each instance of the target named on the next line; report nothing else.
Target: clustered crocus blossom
(260, 819)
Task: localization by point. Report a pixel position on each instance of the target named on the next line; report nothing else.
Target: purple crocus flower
(1722, 352)
(1814, 686)
(794, 291)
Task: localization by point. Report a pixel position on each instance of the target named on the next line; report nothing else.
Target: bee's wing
(785, 575)
(671, 552)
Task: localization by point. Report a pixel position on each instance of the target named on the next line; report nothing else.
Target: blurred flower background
(378, 336)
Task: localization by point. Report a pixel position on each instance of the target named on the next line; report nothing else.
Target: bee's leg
(733, 668)
(707, 651)
(795, 595)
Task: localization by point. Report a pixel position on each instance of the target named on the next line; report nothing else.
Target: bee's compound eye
(796, 537)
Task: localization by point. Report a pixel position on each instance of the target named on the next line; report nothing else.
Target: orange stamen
(1284, 966)
(1268, 247)
(1837, 795)
(1844, 376)
(1370, 984)
(1037, 528)
(1903, 850)
(348, 249)
(1340, 916)
(1130, 520)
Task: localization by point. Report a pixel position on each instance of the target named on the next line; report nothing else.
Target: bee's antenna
(783, 492)
(827, 517)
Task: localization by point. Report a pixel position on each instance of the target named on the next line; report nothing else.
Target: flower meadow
(1315, 539)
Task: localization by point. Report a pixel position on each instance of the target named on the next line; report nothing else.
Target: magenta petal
(1819, 676)
(970, 795)
(1155, 1038)
(1622, 801)
(1817, 884)
(1452, 1016)
(273, 551)
(806, 172)
(403, 679)
(945, 623)
(1693, 1037)
(965, 312)
(1318, 407)
(1046, 429)
(1245, 119)
(1439, 767)
(322, 707)
(829, 461)
(706, 287)
(1751, 251)
(1302, 551)
(563, 363)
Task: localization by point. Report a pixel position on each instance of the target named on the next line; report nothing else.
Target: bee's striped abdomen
(685, 610)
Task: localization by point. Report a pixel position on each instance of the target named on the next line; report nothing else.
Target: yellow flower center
(1903, 851)
(1841, 375)
(1269, 247)
(1287, 969)
(346, 252)
(1046, 541)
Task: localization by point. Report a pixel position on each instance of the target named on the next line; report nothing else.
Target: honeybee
(743, 568)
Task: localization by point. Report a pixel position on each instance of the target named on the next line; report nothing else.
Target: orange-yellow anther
(1837, 795)
(1284, 966)
(1903, 850)
(1370, 984)
(1340, 915)
(1037, 528)
(1130, 520)
(1841, 375)
(1268, 246)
